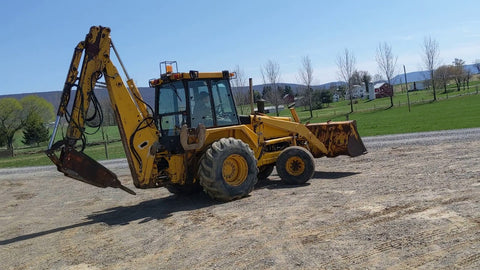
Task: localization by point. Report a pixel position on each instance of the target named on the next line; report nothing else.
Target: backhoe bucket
(340, 138)
(81, 167)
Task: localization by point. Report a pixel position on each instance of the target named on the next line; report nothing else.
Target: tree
(321, 97)
(443, 74)
(458, 73)
(378, 77)
(387, 63)
(256, 96)
(239, 83)
(431, 59)
(366, 79)
(477, 65)
(356, 78)
(306, 77)
(14, 114)
(271, 74)
(10, 119)
(34, 131)
(346, 67)
(468, 76)
(38, 105)
(3, 137)
(108, 113)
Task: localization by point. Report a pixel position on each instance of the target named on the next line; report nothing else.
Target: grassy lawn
(453, 113)
(35, 156)
(453, 110)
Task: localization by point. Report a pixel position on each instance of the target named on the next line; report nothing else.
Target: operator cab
(191, 99)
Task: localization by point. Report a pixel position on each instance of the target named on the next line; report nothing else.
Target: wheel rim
(235, 170)
(295, 166)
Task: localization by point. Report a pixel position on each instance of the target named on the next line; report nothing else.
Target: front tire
(228, 170)
(295, 165)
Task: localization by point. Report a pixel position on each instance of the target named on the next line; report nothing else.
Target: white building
(358, 91)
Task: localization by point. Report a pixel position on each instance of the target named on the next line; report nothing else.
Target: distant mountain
(54, 97)
(418, 76)
(148, 93)
(296, 87)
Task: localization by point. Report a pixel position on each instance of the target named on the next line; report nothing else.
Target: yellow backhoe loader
(192, 138)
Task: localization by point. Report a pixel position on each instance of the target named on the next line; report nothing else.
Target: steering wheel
(219, 110)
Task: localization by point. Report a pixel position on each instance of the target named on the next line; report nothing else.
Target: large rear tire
(228, 170)
(295, 165)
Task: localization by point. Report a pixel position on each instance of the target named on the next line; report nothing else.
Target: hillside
(417, 76)
(149, 94)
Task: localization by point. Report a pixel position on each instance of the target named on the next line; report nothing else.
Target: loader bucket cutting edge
(81, 167)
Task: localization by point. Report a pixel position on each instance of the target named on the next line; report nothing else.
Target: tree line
(439, 75)
(30, 114)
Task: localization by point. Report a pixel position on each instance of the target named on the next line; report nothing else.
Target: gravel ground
(411, 202)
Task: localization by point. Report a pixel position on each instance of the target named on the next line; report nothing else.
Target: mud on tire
(228, 170)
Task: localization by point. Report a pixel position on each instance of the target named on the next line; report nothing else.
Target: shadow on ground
(278, 184)
(161, 208)
(143, 212)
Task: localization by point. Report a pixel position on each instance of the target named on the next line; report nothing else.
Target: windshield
(211, 103)
(171, 108)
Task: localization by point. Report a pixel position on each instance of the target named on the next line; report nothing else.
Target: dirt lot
(413, 205)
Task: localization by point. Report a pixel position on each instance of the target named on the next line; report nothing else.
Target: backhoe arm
(137, 130)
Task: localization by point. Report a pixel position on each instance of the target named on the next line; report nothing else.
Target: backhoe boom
(137, 130)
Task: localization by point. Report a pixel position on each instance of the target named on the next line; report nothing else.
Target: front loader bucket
(340, 138)
(79, 166)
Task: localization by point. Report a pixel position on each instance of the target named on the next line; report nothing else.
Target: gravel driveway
(412, 202)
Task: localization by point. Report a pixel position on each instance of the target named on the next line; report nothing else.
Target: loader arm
(138, 132)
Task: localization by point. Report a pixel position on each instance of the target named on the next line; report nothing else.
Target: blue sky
(38, 37)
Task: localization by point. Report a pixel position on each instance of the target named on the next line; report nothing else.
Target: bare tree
(346, 67)
(306, 76)
(378, 77)
(271, 75)
(443, 74)
(387, 63)
(431, 59)
(458, 72)
(477, 65)
(468, 76)
(240, 94)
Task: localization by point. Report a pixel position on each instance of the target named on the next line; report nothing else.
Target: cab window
(171, 108)
(225, 111)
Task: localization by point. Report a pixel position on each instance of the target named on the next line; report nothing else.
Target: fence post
(105, 142)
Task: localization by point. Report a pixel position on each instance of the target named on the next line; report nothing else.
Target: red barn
(383, 90)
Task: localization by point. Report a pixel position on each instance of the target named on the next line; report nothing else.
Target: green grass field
(453, 113)
(459, 110)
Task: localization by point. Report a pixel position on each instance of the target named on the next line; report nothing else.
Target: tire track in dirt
(402, 206)
(391, 214)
